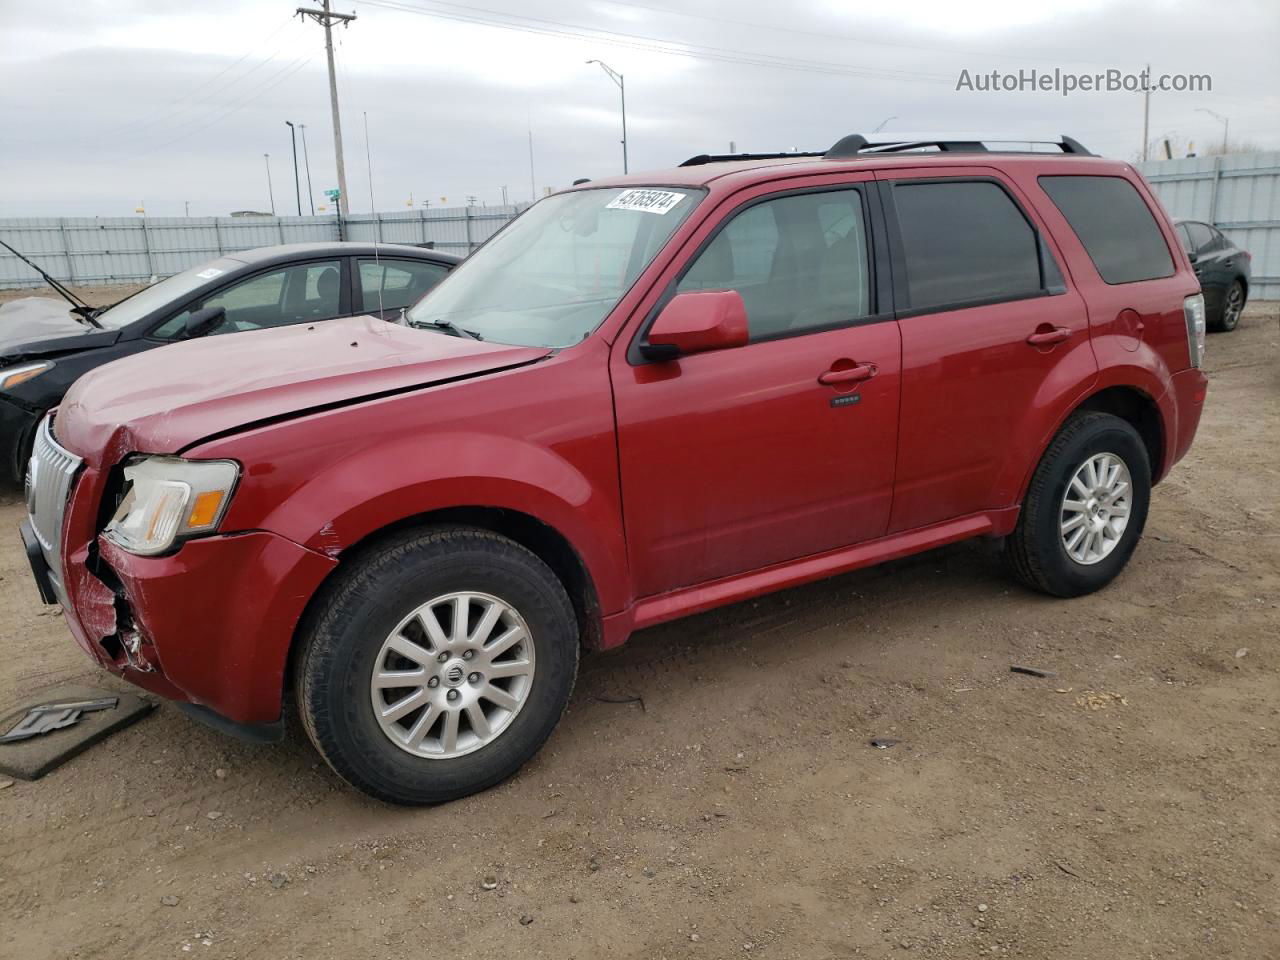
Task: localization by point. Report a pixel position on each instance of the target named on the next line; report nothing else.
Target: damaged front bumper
(209, 625)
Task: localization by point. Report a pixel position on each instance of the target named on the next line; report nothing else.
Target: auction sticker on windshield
(646, 201)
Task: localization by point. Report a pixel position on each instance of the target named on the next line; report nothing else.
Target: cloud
(106, 105)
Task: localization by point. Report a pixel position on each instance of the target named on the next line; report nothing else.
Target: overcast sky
(105, 106)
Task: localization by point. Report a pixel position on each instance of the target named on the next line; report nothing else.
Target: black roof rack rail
(702, 158)
(857, 145)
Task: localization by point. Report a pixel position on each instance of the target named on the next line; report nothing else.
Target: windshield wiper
(78, 306)
(448, 326)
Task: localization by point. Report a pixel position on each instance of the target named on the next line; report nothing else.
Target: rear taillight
(1193, 311)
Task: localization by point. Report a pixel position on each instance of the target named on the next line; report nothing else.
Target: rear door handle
(1046, 338)
(863, 371)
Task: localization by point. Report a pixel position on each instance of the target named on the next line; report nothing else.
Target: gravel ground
(1126, 808)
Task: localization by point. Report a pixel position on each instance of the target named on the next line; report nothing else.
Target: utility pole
(327, 19)
(617, 78)
(1146, 109)
(504, 196)
(306, 160)
(533, 189)
(270, 193)
(297, 186)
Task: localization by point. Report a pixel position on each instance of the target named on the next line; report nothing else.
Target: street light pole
(270, 193)
(306, 162)
(617, 78)
(297, 186)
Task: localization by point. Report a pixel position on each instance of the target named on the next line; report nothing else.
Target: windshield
(551, 276)
(172, 290)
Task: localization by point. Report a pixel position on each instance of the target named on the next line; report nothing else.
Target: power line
(234, 107)
(829, 35)
(558, 28)
(179, 105)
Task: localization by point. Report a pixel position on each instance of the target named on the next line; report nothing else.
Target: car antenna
(368, 159)
(78, 306)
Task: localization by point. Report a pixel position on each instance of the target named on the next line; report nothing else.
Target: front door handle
(863, 371)
(1047, 338)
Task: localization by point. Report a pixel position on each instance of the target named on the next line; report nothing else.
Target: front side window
(392, 284)
(1115, 225)
(296, 294)
(552, 275)
(965, 241)
(799, 262)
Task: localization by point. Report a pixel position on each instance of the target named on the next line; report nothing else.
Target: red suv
(645, 397)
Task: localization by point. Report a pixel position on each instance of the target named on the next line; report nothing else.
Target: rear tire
(351, 675)
(1074, 535)
(1232, 306)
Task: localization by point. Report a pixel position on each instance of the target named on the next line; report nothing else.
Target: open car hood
(165, 400)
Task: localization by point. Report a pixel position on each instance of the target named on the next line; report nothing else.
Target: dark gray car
(1222, 269)
(46, 345)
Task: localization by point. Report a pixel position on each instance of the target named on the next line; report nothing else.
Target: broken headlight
(167, 499)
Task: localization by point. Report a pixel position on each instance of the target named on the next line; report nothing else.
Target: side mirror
(697, 322)
(1192, 256)
(203, 321)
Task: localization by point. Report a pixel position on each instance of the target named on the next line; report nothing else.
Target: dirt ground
(1127, 808)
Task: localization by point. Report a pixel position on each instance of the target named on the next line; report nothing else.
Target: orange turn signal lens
(205, 509)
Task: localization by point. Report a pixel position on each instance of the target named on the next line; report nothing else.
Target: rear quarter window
(1114, 224)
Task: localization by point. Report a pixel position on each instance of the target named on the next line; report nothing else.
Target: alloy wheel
(1095, 508)
(453, 675)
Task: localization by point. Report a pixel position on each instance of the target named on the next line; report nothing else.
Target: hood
(37, 324)
(165, 400)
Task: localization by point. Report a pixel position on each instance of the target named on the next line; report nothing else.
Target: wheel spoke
(405, 706)
(435, 633)
(508, 668)
(461, 604)
(479, 722)
(422, 726)
(487, 622)
(504, 643)
(1074, 506)
(1119, 509)
(1074, 522)
(384, 679)
(1074, 542)
(406, 648)
(449, 732)
(500, 697)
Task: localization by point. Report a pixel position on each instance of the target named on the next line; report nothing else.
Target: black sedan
(1223, 271)
(45, 345)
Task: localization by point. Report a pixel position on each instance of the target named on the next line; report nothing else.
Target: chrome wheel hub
(1095, 508)
(453, 675)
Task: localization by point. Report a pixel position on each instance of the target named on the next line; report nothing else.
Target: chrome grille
(50, 475)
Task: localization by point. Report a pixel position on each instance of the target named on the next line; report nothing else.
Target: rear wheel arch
(1140, 411)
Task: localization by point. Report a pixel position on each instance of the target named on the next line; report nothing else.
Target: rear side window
(965, 241)
(1115, 225)
(402, 282)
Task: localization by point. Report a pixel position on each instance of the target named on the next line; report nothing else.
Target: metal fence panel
(106, 250)
(1239, 194)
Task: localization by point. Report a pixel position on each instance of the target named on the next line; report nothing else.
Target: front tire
(1085, 509)
(438, 662)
